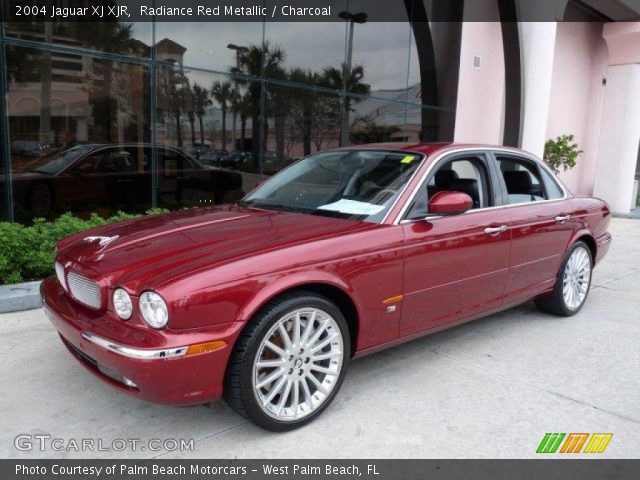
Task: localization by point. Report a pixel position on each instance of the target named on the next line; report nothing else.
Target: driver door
(455, 266)
(83, 185)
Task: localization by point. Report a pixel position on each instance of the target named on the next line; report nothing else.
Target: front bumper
(151, 365)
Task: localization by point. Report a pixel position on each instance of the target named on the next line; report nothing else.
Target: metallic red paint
(216, 267)
(448, 203)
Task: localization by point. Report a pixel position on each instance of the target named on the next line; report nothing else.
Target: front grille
(84, 290)
(60, 275)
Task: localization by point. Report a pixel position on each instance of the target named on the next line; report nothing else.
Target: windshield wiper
(278, 207)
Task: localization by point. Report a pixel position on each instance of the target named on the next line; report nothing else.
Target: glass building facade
(110, 116)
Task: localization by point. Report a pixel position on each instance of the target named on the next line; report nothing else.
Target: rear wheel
(289, 363)
(572, 283)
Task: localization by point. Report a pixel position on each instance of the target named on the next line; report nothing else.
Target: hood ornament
(102, 241)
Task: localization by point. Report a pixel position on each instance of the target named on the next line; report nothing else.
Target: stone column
(538, 47)
(620, 130)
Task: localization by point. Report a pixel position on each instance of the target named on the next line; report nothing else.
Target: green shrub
(561, 152)
(27, 252)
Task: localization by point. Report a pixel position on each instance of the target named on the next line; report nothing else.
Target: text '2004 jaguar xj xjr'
(343, 253)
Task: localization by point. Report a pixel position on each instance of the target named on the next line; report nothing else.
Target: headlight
(122, 304)
(154, 310)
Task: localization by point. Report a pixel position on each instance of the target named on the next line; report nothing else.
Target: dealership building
(93, 111)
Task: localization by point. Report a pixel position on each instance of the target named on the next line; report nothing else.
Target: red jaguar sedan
(344, 253)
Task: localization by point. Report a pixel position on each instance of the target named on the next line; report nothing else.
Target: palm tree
(306, 100)
(242, 105)
(109, 36)
(223, 93)
(171, 94)
(201, 101)
(190, 107)
(354, 85)
(256, 61)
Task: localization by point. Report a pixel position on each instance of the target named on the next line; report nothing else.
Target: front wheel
(289, 362)
(572, 283)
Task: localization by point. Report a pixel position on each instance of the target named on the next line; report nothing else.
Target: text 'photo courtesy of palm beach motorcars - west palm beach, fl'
(343, 253)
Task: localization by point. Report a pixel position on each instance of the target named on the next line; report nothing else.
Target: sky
(384, 49)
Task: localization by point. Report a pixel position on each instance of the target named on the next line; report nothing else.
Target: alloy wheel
(298, 364)
(576, 278)
(40, 199)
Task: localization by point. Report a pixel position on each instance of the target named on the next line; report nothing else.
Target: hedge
(27, 252)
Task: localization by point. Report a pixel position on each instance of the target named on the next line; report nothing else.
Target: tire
(40, 199)
(573, 278)
(262, 380)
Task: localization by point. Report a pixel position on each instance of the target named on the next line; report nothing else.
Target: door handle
(495, 230)
(124, 180)
(562, 218)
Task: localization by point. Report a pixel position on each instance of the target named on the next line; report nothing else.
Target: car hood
(152, 250)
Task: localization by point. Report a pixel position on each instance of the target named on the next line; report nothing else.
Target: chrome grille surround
(60, 275)
(84, 290)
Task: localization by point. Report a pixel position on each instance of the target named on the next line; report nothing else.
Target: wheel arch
(29, 188)
(335, 290)
(588, 238)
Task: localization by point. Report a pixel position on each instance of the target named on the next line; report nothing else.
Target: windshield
(352, 184)
(55, 164)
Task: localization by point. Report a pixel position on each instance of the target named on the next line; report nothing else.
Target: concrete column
(480, 102)
(538, 47)
(620, 130)
(619, 137)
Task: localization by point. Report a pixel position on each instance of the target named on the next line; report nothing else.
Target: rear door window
(522, 179)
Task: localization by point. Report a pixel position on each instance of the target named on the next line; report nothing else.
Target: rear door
(540, 224)
(455, 266)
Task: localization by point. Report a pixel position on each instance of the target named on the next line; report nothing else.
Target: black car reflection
(119, 177)
(216, 158)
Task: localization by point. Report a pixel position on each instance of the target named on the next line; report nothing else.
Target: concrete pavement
(488, 389)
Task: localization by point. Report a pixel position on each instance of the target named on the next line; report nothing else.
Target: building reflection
(94, 119)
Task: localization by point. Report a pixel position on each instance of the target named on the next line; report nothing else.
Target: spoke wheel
(40, 199)
(298, 364)
(289, 362)
(576, 278)
(572, 283)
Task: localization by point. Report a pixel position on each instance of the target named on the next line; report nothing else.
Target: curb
(20, 296)
(635, 216)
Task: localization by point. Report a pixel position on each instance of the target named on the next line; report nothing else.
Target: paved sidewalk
(491, 388)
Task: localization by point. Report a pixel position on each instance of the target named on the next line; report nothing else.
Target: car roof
(428, 148)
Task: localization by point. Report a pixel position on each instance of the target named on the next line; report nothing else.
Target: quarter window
(552, 188)
(522, 179)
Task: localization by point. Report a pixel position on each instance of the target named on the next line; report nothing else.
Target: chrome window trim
(399, 218)
(137, 353)
(423, 157)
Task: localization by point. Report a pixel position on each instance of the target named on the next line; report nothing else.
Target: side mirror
(449, 203)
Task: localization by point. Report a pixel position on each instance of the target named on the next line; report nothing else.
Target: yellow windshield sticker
(408, 159)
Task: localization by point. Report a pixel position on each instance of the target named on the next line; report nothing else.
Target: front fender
(290, 281)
